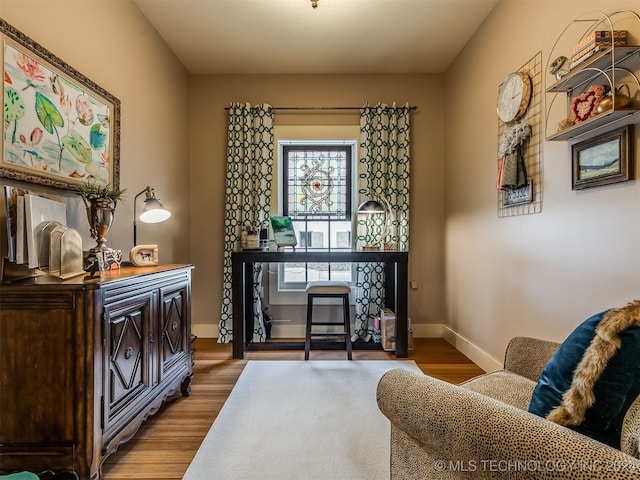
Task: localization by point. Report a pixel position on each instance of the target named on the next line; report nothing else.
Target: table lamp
(153, 211)
(376, 206)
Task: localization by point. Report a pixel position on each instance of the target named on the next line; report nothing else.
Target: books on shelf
(21, 240)
(595, 42)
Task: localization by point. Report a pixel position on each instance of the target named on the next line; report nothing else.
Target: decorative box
(109, 260)
(390, 246)
(388, 329)
(598, 38)
(101, 261)
(249, 240)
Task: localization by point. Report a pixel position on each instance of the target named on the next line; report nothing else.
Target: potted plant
(101, 200)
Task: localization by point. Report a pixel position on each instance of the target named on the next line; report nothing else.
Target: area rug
(297, 420)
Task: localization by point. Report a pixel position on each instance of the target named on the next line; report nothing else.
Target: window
(317, 185)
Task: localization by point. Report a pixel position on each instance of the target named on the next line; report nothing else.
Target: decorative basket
(249, 240)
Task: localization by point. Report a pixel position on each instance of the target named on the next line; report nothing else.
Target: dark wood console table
(84, 362)
(396, 282)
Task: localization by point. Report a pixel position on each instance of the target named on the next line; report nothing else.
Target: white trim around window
(318, 135)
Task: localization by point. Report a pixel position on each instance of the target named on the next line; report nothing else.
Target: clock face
(513, 97)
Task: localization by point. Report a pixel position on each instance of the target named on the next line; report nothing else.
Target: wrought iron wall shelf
(600, 123)
(612, 66)
(587, 71)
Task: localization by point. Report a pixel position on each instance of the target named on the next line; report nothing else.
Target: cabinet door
(174, 330)
(128, 369)
(39, 332)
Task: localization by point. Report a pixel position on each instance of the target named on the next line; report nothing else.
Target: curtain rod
(413, 107)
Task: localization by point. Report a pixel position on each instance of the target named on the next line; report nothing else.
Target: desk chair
(328, 289)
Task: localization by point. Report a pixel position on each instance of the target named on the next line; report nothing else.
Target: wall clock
(514, 96)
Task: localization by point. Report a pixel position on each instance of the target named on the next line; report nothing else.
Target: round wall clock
(514, 96)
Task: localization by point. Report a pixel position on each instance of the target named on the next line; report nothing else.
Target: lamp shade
(153, 211)
(371, 206)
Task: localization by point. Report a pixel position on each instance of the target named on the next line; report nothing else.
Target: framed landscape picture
(604, 159)
(60, 128)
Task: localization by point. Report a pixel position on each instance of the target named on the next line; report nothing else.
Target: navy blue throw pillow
(614, 391)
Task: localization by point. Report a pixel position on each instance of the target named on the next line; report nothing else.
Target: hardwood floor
(167, 442)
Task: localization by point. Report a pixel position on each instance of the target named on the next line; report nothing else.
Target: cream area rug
(297, 420)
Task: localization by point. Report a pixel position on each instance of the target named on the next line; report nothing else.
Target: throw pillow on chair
(593, 378)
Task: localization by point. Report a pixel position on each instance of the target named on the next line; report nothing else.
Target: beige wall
(211, 94)
(542, 274)
(535, 275)
(111, 43)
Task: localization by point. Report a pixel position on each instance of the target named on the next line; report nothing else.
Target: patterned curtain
(383, 166)
(249, 177)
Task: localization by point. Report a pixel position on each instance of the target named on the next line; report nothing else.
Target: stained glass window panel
(318, 182)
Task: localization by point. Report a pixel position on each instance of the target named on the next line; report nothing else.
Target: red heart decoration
(584, 106)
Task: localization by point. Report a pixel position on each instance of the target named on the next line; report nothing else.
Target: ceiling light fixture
(314, 3)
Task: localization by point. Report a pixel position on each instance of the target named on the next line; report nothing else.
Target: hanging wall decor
(603, 159)
(519, 167)
(61, 129)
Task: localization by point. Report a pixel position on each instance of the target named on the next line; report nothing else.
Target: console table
(83, 362)
(396, 282)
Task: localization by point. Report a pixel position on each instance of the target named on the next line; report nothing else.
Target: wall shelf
(612, 67)
(598, 124)
(587, 71)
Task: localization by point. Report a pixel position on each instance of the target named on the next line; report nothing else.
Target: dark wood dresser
(83, 362)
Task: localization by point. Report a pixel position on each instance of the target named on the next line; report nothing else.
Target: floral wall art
(60, 129)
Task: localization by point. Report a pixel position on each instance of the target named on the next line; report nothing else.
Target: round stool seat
(328, 287)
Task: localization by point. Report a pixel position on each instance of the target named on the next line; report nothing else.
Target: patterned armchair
(481, 429)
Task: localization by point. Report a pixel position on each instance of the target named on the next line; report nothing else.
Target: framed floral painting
(60, 128)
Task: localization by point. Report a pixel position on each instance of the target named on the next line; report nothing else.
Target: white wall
(537, 275)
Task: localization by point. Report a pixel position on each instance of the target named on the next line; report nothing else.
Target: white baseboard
(420, 330)
(474, 353)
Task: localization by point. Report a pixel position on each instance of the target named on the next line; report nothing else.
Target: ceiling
(339, 36)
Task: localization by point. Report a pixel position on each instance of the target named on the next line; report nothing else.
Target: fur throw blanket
(580, 397)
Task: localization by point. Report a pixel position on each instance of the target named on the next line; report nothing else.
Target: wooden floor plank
(167, 442)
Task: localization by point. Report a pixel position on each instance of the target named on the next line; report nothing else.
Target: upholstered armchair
(482, 429)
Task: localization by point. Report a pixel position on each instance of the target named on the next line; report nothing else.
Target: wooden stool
(328, 289)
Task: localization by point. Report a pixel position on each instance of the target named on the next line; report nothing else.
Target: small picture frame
(604, 159)
(283, 232)
(144, 255)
